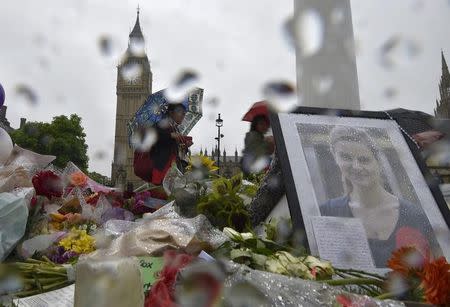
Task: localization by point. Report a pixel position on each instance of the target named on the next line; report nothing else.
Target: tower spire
(444, 64)
(137, 32)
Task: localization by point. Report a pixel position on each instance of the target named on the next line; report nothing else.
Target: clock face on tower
(133, 80)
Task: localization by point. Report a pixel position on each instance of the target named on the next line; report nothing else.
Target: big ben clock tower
(134, 84)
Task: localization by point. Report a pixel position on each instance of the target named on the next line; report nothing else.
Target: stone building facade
(134, 85)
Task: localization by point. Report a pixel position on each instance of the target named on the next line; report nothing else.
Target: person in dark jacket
(257, 146)
(171, 146)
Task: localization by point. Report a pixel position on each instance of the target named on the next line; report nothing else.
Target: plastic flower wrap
(78, 241)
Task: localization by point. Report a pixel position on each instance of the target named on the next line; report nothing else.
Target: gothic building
(229, 165)
(4, 123)
(443, 105)
(134, 84)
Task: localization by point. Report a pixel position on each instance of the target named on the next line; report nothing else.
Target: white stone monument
(326, 61)
(325, 54)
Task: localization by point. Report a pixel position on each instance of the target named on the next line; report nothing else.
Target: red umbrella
(258, 108)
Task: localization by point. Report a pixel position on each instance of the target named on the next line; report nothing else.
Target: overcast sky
(52, 48)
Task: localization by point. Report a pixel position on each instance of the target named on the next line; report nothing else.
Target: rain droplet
(99, 155)
(43, 62)
(337, 16)
(323, 84)
(213, 101)
(39, 40)
(120, 155)
(212, 116)
(25, 94)
(105, 43)
(390, 92)
(308, 31)
(281, 96)
(397, 50)
(46, 140)
(414, 259)
(245, 294)
(257, 165)
(137, 46)
(397, 284)
(182, 85)
(144, 138)
(131, 71)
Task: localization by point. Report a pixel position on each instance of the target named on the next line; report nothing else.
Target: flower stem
(350, 271)
(385, 296)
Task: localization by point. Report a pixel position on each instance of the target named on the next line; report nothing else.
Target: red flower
(48, 184)
(406, 261)
(344, 301)
(33, 202)
(436, 281)
(161, 294)
(408, 236)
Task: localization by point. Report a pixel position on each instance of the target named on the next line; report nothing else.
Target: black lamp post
(219, 123)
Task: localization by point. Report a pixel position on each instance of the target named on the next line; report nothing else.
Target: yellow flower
(78, 241)
(201, 161)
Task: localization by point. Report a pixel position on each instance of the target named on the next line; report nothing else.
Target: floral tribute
(48, 184)
(427, 280)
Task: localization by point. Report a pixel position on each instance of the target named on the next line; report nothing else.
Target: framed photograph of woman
(358, 188)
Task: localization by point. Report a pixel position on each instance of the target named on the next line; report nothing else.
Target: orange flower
(406, 260)
(78, 179)
(436, 281)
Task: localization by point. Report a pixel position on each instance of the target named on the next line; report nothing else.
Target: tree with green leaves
(99, 178)
(64, 138)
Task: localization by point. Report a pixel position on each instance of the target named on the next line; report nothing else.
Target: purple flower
(60, 255)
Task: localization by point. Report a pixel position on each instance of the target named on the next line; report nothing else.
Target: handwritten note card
(150, 267)
(343, 241)
(63, 297)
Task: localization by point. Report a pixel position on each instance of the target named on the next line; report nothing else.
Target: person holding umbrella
(257, 146)
(171, 146)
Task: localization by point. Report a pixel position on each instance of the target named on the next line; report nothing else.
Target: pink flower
(408, 236)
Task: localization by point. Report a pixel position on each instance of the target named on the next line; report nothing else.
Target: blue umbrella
(155, 108)
(2, 95)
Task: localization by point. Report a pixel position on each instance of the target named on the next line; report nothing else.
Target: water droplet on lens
(397, 284)
(144, 138)
(105, 43)
(25, 94)
(131, 71)
(213, 101)
(245, 294)
(184, 83)
(281, 96)
(308, 31)
(137, 46)
(323, 84)
(337, 16)
(259, 164)
(397, 50)
(390, 92)
(99, 155)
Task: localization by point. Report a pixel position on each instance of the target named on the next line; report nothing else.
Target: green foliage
(99, 178)
(223, 206)
(64, 138)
